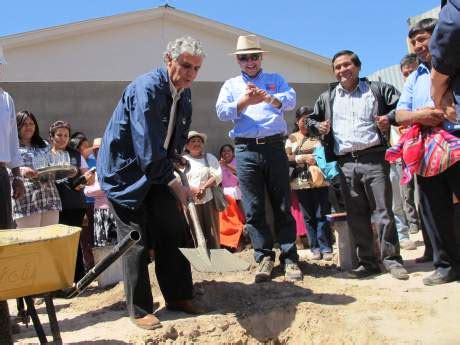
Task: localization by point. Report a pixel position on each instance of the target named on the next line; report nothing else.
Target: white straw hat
(248, 44)
(192, 134)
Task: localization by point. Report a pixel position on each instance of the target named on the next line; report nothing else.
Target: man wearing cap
(135, 168)
(255, 102)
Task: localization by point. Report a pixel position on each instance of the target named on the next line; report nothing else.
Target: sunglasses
(247, 57)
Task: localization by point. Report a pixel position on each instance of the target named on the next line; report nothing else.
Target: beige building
(77, 71)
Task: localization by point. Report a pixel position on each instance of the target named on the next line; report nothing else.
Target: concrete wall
(102, 54)
(87, 106)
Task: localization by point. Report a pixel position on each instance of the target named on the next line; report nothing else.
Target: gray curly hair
(182, 45)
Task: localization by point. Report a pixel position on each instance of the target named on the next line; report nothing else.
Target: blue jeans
(402, 226)
(314, 203)
(259, 167)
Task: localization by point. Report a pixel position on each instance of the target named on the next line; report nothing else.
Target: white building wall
(120, 53)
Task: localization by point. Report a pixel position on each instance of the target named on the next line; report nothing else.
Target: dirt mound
(323, 308)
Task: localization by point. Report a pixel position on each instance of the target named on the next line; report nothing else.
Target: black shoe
(423, 259)
(363, 272)
(399, 272)
(438, 277)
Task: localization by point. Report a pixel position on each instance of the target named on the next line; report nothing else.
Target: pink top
(95, 191)
(228, 178)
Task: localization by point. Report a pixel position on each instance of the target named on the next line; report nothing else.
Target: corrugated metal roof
(433, 13)
(391, 75)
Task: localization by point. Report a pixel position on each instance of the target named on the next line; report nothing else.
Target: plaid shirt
(41, 195)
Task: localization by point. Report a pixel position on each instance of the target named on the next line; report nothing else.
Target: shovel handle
(201, 241)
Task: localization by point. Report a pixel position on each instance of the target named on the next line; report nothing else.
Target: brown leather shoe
(149, 322)
(189, 306)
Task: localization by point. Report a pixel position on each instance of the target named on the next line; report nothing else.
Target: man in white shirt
(9, 157)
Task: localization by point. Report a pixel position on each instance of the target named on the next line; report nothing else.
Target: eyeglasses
(247, 57)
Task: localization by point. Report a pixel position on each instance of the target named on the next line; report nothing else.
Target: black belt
(357, 154)
(260, 141)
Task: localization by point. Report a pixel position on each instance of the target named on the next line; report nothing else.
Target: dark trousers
(87, 237)
(314, 203)
(163, 227)
(6, 221)
(437, 211)
(261, 167)
(366, 189)
(74, 217)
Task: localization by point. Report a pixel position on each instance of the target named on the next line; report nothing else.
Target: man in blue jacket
(445, 51)
(135, 167)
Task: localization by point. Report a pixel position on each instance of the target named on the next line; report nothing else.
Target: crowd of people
(336, 158)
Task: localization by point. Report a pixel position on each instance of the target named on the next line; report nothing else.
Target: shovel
(201, 258)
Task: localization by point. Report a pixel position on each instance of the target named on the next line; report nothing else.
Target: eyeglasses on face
(247, 57)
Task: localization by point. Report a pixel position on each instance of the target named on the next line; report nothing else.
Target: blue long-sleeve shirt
(259, 120)
(132, 156)
(416, 94)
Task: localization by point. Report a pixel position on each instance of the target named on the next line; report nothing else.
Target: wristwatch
(272, 100)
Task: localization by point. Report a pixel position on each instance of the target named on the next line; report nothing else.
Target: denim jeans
(402, 226)
(314, 203)
(261, 167)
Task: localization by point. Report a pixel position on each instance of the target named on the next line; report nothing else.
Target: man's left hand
(18, 188)
(382, 122)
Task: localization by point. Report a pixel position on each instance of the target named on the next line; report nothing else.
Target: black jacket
(387, 97)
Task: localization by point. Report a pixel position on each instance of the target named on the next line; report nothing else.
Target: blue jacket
(445, 46)
(132, 158)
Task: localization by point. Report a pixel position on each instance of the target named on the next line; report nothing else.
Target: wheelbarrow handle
(201, 241)
(117, 251)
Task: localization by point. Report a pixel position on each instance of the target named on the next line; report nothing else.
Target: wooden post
(347, 258)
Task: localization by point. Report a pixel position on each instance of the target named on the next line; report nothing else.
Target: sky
(375, 30)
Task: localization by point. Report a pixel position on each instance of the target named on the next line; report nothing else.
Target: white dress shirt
(9, 142)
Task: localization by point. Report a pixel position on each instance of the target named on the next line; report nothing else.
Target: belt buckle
(260, 141)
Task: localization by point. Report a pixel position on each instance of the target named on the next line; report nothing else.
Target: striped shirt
(354, 126)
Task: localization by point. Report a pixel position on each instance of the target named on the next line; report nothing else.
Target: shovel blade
(214, 260)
